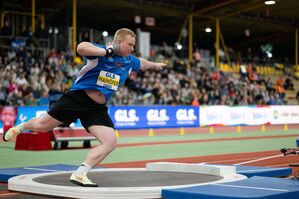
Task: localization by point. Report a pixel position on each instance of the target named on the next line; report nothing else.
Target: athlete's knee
(110, 144)
(114, 144)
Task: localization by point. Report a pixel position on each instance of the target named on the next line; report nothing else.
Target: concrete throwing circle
(129, 183)
(133, 178)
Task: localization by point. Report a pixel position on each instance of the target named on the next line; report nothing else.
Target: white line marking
(259, 170)
(248, 187)
(230, 160)
(260, 159)
(38, 169)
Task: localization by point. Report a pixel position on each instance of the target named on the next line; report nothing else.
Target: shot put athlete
(107, 68)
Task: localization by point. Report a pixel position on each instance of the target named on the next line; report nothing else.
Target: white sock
(21, 127)
(84, 168)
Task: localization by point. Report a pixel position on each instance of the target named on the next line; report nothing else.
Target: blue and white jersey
(105, 74)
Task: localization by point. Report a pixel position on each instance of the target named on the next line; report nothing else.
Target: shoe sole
(3, 137)
(83, 185)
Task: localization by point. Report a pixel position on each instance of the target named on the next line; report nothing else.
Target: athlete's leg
(43, 124)
(106, 136)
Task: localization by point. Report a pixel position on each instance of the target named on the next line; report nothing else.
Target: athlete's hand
(114, 46)
(159, 66)
(109, 50)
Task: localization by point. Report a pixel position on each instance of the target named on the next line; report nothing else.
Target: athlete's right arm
(88, 49)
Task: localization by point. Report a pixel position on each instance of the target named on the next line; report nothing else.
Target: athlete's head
(124, 41)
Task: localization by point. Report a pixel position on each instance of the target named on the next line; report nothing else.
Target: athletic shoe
(82, 180)
(11, 133)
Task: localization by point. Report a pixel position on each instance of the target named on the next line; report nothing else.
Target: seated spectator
(243, 71)
(279, 88)
(30, 100)
(289, 84)
(3, 96)
(195, 102)
(44, 99)
(27, 72)
(21, 80)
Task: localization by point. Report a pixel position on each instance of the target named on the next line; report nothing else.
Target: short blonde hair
(120, 34)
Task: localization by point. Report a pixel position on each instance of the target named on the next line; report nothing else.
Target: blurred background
(251, 44)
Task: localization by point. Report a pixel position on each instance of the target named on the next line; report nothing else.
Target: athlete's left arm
(147, 65)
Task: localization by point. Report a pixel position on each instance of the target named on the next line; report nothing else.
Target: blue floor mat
(254, 188)
(5, 174)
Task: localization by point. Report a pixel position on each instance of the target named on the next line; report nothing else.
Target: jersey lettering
(108, 80)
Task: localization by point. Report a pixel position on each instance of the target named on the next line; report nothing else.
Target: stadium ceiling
(266, 24)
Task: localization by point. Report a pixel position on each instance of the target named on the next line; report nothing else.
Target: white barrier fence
(248, 115)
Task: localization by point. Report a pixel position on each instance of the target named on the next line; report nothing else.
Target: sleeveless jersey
(105, 74)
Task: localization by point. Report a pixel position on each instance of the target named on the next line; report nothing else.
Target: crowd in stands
(27, 77)
(199, 85)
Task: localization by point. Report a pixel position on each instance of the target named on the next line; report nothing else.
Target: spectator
(3, 96)
(279, 88)
(21, 80)
(289, 84)
(44, 99)
(174, 85)
(30, 100)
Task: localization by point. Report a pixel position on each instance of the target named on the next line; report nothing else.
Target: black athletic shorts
(77, 104)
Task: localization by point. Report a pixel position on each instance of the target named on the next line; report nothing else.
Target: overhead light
(269, 54)
(105, 33)
(56, 30)
(267, 2)
(208, 29)
(178, 46)
(247, 32)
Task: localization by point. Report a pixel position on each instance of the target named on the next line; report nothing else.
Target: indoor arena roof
(267, 24)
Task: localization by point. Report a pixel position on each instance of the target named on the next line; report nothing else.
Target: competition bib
(108, 80)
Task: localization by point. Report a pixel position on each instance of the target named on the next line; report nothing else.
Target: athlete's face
(126, 46)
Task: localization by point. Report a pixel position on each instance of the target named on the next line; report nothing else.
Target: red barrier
(34, 141)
